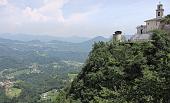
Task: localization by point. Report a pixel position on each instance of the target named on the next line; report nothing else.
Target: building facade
(152, 24)
(144, 31)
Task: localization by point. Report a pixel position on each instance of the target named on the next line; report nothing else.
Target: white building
(2, 84)
(144, 31)
(152, 24)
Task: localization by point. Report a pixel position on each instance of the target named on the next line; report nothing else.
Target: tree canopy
(126, 72)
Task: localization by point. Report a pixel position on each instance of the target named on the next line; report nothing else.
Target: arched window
(159, 13)
(141, 31)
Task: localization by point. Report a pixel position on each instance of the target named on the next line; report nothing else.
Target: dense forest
(127, 72)
(123, 72)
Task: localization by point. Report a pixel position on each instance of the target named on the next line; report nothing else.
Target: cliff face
(126, 72)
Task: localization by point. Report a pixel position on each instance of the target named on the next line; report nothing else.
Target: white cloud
(80, 17)
(33, 15)
(47, 18)
(3, 2)
(51, 10)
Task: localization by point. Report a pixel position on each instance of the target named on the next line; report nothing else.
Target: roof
(118, 33)
(154, 19)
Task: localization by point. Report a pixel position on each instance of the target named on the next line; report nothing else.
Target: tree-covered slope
(126, 72)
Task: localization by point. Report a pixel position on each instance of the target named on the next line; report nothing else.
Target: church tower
(159, 11)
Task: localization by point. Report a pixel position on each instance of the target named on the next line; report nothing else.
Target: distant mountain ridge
(54, 48)
(44, 38)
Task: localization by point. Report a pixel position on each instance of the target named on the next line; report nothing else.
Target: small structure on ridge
(118, 36)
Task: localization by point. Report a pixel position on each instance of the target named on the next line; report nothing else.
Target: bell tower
(159, 11)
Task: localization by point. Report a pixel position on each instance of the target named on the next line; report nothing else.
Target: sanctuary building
(152, 23)
(144, 31)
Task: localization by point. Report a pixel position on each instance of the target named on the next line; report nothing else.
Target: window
(148, 23)
(159, 13)
(141, 31)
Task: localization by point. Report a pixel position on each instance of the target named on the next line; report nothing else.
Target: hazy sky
(76, 17)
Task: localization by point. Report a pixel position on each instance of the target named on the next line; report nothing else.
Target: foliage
(13, 92)
(126, 72)
(166, 20)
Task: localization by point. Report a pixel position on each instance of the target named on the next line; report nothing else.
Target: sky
(82, 18)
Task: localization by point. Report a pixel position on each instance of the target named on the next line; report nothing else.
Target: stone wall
(167, 28)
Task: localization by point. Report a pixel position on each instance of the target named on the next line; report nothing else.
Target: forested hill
(126, 72)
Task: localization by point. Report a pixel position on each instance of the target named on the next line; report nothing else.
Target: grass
(13, 92)
(72, 76)
(51, 95)
(19, 72)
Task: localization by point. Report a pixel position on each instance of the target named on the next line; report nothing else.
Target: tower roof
(118, 32)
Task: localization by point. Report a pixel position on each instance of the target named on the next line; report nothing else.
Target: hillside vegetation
(126, 72)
